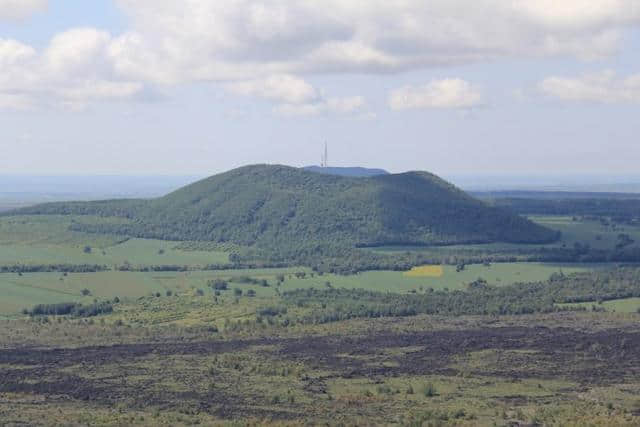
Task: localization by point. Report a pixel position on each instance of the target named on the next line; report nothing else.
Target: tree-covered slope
(354, 172)
(273, 206)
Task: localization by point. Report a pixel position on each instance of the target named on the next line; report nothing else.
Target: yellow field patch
(425, 271)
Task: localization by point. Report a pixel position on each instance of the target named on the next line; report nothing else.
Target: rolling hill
(272, 206)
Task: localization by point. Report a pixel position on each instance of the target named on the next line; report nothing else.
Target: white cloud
(603, 87)
(20, 9)
(282, 88)
(353, 105)
(246, 39)
(172, 42)
(72, 71)
(296, 97)
(447, 93)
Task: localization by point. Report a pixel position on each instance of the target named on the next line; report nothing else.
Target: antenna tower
(325, 157)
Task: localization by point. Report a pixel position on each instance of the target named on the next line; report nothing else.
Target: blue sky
(193, 88)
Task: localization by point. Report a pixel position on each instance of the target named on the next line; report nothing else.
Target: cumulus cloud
(296, 97)
(283, 88)
(172, 42)
(204, 40)
(72, 71)
(603, 87)
(447, 93)
(353, 105)
(11, 10)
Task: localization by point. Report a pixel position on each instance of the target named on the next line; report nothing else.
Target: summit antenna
(325, 157)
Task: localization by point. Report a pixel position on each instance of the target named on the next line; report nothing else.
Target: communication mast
(324, 161)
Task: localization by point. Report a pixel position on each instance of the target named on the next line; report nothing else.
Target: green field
(51, 230)
(133, 251)
(589, 232)
(625, 305)
(48, 240)
(30, 289)
(395, 281)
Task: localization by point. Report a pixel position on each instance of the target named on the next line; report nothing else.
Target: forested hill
(355, 172)
(280, 206)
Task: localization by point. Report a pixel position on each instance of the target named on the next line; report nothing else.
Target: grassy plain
(29, 289)
(47, 240)
(624, 305)
(590, 232)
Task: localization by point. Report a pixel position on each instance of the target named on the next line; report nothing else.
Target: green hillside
(274, 206)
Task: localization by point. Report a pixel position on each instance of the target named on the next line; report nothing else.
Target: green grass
(30, 289)
(134, 251)
(25, 291)
(396, 281)
(48, 240)
(625, 305)
(592, 233)
(51, 230)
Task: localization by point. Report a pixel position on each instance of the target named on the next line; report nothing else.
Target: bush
(85, 292)
(245, 280)
(87, 249)
(218, 284)
(237, 292)
(72, 309)
(272, 311)
(429, 390)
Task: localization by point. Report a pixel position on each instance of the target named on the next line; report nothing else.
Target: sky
(197, 87)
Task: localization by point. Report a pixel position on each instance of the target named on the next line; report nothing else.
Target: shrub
(272, 311)
(87, 249)
(85, 292)
(71, 308)
(429, 390)
(218, 284)
(237, 292)
(251, 293)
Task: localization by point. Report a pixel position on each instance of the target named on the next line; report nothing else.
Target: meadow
(574, 230)
(623, 305)
(48, 240)
(25, 290)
